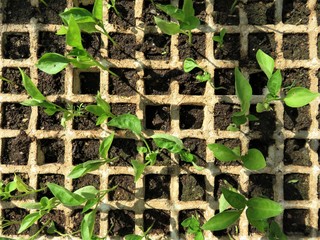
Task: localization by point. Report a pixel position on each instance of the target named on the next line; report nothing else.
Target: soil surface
(50, 151)
(84, 150)
(191, 117)
(16, 45)
(59, 219)
(121, 222)
(44, 179)
(261, 185)
(224, 14)
(156, 46)
(222, 115)
(189, 85)
(230, 50)
(125, 189)
(295, 12)
(260, 12)
(160, 219)
(126, 18)
(13, 74)
(192, 187)
(76, 218)
(158, 117)
(196, 50)
(224, 81)
(296, 186)
(125, 48)
(198, 148)
(295, 222)
(14, 215)
(125, 84)
(124, 150)
(51, 84)
(296, 152)
(295, 46)
(15, 116)
(50, 42)
(86, 180)
(157, 186)
(224, 181)
(157, 82)
(89, 82)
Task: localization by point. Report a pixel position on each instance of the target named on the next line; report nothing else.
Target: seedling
(37, 99)
(244, 94)
(258, 211)
(220, 38)
(252, 160)
(193, 226)
(296, 96)
(187, 21)
(112, 5)
(189, 64)
(233, 6)
(144, 235)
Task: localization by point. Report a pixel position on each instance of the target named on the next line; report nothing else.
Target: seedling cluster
(232, 204)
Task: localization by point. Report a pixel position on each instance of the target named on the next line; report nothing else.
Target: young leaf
(30, 205)
(254, 160)
(187, 8)
(172, 11)
(189, 23)
(87, 192)
(299, 97)
(274, 83)
(29, 220)
(222, 220)
(52, 63)
(262, 208)
(138, 168)
(169, 28)
(275, 232)
(223, 153)
(73, 37)
(89, 204)
(105, 146)
(21, 186)
(81, 15)
(83, 168)
(223, 203)
(169, 142)
(127, 121)
(87, 225)
(243, 91)
(133, 237)
(97, 11)
(189, 64)
(65, 196)
(235, 199)
(261, 225)
(265, 62)
(30, 87)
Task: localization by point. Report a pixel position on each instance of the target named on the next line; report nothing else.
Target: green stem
(103, 67)
(6, 80)
(107, 34)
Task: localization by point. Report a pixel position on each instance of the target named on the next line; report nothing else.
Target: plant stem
(107, 34)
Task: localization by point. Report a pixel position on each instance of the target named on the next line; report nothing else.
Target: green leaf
(105, 146)
(189, 23)
(29, 220)
(81, 15)
(275, 232)
(87, 192)
(199, 236)
(133, 237)
(73, 37)
(95, 109)
(10, 187)
(30, 205)
(21, 186)
(274, 83)
(299, 97)
(127, 121)
(89, 204)
(261, 107)
(187, 8)
(254, 160)
(243, 91)
(166, 27)
(103, 104)
(138, 168)
(262, 208)
(87, 225)
(189, 64)
(30, 87)
(223, 203)
(261, 225)
(66, 197)
(222, 152)
(235, 199)
(52, 63)
(265, 62)
(83, 168)
(204, 77)
(141, 149)
(172, 11)
(97, 11)
(169, 142)
(101, 119)
(222, 220)
(187, 156)
(62, 30)
(89, 27)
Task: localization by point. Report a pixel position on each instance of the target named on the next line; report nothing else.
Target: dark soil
(263, 143)
(89, 83)
(15, 11)
(184, 214)
(42, 181)
(260, 12)
(50, 151)
(296, 186)
(16, 45)
(224, 77)
(258, 82)
(222, 115)
(157, 186)
(220, 182)
(261, 185)
(158, 117)
(51, 84)
(198, 148)
(15, 151)
(223, 15)
(299, 77)
(126, 18)
(87, 121)
(192, 187)
(125, 189)
(160, 219)
(13, 74)
(230, 143)
(150, 11)
(296, 119)
(189, 85)
(14, 215)
(125, 84)
(50, 42)
(84, 150)
(230, 49)
(295, 46)
(296, 152)
(86, 180)
(196, 51)
(92, 43)
(121, 222)
(295, 222)
(15, 116)
(122, 108)
(76, 218)
(59, 219)
(157, 81)
(163, 158)
(125, 150)
(50, 13)
(156, 46)
(125, 48)
(191, 117)
(295, 12)
(46, 122)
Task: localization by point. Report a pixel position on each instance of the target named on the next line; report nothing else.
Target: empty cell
(224, 81)
(13, 74)
(297, 119)
(258, 82)
(50, 42)
(124, 150)
(261, 185)
(44, 179)
(266, 123)
(263, 41)
(296, 186)
(295, 12)
(49, 84)
(225, 13)
(125, 187)
(157, 186)
(86, 180)
(158, 117)
(50, 13)
(157, 81)
(87, 120)
(15, 215)
(16, 45)
(15, 116)
(92, 43)
(158, 219)
(230, 49)
(191, 117)
(126, 11)
(295, 46)
(296, 76)
(17, 12)
(198, 148)
(125, 83)
(84, 150)
(121, 222)
(184, 214)
(222, 115)
(125, 49)
(296, 152)
(149, 11)
(89, 83)
(15, 151)
(189, 85)
(123, 108)
(296, 221)
(46, 122)
(156, 46)
(224, 181)
(260, 12)
(50, 151)
(192, 187)
(197, 50)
